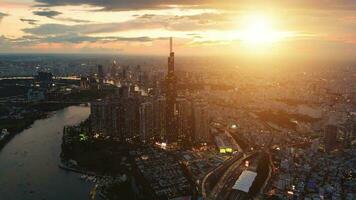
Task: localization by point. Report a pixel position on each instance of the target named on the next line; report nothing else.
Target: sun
(259, 30)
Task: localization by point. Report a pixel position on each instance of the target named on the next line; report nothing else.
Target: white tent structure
(245, 181)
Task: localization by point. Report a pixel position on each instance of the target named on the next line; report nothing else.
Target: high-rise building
(330, 137)
(101, 114)
(101, 76)
(117, 118)
(184, 119)
(201, 119)
(113, 72)
(171, 94)
(84, 83)
(146, 121)
(123, 91)
(44, 79)
(159, 116)
(131, 115)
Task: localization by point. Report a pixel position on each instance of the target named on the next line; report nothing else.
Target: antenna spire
(171, 44)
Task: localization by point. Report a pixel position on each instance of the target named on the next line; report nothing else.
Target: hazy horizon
(281, 30)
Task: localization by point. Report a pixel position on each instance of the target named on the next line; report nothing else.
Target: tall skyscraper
(171, 94)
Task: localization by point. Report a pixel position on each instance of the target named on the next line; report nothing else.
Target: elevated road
(216, 173)
(223, 188)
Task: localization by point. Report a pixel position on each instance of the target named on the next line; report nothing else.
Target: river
(29, 162)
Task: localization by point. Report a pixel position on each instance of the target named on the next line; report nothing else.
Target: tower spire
(171, 93)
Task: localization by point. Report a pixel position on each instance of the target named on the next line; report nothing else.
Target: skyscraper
(184, 119)
(146, 121)
(171, 94)
(118, 118)
(101, 114)
(201, 121)
(159, 106)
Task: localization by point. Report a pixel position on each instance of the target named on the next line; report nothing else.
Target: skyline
(177, 99)
(277, 29)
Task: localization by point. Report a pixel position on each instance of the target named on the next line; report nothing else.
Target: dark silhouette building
(171, 95)
(117, 118)
(44, 79)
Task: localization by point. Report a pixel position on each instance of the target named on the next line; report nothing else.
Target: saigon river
(29, 162)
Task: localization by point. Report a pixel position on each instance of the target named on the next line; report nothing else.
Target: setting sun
(258, 30)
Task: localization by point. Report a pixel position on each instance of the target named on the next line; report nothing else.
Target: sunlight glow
(258, 30)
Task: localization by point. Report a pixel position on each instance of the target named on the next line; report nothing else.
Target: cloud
(47, 13)
(226, 4)
(70, 43)
(49, 29)
(68, 19)
(4, 44)
(203, 21)
(29, 21)
(71, 38)
(2, 15)
(53, 15)
(56, 29)
(121, 4)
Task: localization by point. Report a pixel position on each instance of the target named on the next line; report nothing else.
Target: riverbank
(17, 117)
(17, 125)
(29, 162)
(76, 170)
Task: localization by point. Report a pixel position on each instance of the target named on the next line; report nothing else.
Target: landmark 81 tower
(171, 94)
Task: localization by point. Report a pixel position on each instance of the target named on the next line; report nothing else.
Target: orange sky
(288, 28)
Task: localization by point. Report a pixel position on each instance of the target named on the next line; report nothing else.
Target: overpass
(223, 188)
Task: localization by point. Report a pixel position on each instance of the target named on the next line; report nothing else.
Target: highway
(228, 192)
(223, 188)
(205, 180)
(219, 169)
(216, 173)
(237, 195)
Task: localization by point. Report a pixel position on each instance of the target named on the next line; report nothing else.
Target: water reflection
(29, 162)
